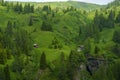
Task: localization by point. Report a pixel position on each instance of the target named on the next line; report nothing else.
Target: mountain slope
(79, 5)
(63, 5)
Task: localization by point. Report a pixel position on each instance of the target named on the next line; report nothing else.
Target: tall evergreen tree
(43, 64)
(46, 26)
(118, 18)
(73, 64)
(30, 21)
(111, 19)
(32, 9)
(62, 68)
(96, 50)
(7, 73)
(3, 56)
(116, 36)
(9, 29)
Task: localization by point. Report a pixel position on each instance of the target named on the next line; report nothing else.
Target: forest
(59, 41)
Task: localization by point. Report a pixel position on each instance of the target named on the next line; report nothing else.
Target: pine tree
(73, 64)
(32, 9)
(96, 50)
(118, 18)
(30, 21)
(43, 64)
(7, 73)
(9, 29)
(111, 19)
(96, 28)
(87, 45)
(62, 68)
(46, 26)
(116, 36)
(3, 56)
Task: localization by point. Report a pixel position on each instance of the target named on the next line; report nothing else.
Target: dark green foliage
(116, 70)
(96, 27)
(18, 8)
(116, 49)
(47, 9)
(7, 72)
(26, 9)
(102, 22)
(96, 20)
(110, 72)
(23, 42)
(9, 28)
(87, 46)
(111, 19)
(62, 68)
(43, 64)
(80, 31)
(32, 9)
(30, 21)
(118, 18)
(71, 8)
(18, 64)
(73, 64)
(15, 24)
(56, 44)
(46, 26)
(96, 50)
(3, 56)
(116, 36)
(1, 73)
(114, 3)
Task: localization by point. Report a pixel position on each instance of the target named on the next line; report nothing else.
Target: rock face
(93, 64)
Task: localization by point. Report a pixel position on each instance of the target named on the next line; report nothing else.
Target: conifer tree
(30, 21)
(9, 29)
(7, 73)
(111, 19)
(118, 18)
(43, 64)
(116, 36)
(96, 50)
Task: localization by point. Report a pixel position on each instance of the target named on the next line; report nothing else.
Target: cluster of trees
(101, 22)
(109, 72)
(116, 39)
(71, 8)
(47, 9)
(65, 69)
(46, 26)
(118, 18)
(27, 8)
(55, 44)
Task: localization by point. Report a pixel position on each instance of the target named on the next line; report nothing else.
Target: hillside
(63, 5)
(78, 5)
(54, 41)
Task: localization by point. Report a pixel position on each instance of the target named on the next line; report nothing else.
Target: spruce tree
(43, 64)
(96, 50)
(118, 18)
(9, 29)
(7, 73)
(30, 21)
(111, 19)
(116, 36)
